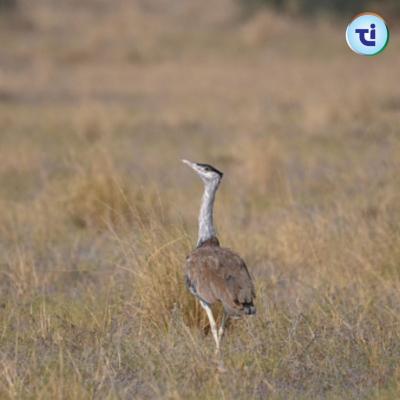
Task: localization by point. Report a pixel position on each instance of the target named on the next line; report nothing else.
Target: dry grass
(98, 103)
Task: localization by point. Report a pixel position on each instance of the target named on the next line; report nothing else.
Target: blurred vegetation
(313, 7)
(6, 5)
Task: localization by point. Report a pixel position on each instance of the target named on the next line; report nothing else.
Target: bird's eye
(207, 168)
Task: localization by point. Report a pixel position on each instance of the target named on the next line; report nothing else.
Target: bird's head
(207, 173)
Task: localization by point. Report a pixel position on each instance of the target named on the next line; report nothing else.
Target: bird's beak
(190, 164)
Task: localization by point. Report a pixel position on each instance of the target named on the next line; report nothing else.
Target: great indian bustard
(214, 273)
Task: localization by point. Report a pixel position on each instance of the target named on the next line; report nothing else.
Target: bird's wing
(215, 273)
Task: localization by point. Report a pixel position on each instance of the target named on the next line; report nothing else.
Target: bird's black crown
(209, 167)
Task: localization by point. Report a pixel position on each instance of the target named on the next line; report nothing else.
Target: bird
(214, 273)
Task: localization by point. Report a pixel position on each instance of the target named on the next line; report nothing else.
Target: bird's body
(213, 273)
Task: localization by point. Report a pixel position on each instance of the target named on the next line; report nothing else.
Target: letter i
(372, 34)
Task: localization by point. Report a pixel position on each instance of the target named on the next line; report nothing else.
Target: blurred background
(265, 89)
(99, 102)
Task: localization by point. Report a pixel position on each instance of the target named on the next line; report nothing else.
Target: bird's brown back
(215, 273)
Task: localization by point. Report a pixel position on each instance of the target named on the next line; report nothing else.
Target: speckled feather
(215, 273)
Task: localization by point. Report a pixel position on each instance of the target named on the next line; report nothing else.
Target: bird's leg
(213, 325)
(221, 329)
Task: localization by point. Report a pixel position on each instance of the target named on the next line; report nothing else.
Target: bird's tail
(249, 308)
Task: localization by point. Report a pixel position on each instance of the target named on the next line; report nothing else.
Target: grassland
(99, 101)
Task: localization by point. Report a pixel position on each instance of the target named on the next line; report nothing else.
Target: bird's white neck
(206, 225)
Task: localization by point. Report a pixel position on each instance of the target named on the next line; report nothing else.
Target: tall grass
(97, 214)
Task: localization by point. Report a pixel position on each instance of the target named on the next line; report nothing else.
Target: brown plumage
(215, 273)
